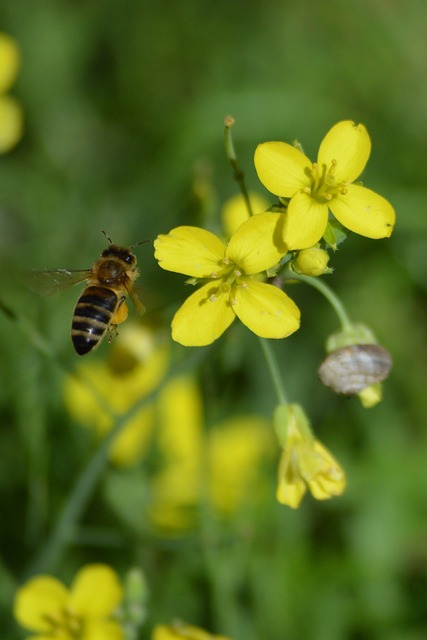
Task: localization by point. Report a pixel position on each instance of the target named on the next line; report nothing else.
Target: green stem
(238, 174)
(274, 370)
(328, 293)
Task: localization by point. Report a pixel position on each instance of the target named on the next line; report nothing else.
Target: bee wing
(51, 281)
(133, 294)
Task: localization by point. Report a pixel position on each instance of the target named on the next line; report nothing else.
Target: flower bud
(312, 262)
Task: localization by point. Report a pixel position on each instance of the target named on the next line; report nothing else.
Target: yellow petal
(11, 123)
(10, 59)
(364, 212)
(282, 168)
(305, 222)
(265, 309)
(95, 591)
(183, 631)
(40, 598)
(236, 452)
(102, 630)
(180, 420)
(324, 475)
(132, 442)
(203, 317)
(290, 488)
(235, 211)
(190, 250)
(257, 245)
(349, 145)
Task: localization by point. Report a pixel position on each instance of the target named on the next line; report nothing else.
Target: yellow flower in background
(233, 272)
(183, 631)
(11, 116)
(176, 487)
(235, 211)
(316, 188)
(305, 462)
(236, 451)
(102, 391)
(46, 607)
(222, 467)
(10, 61)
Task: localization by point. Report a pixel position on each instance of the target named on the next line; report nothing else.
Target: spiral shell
(351, 369)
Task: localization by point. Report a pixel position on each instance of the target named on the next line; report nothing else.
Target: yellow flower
(176, 487)
(182, 631)
(10, 61)
(235, 211)
(305, 462)
(101, 391)
(233, 272)
(11, 116)
(316, 188)
(224, 467)
(83, 612)
(236, 450)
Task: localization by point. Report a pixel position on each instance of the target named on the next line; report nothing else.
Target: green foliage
(124, 105)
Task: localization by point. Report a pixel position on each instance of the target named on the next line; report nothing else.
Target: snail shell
(351, 369)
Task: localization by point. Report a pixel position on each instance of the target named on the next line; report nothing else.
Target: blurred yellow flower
(182, 631)
(236, 451)
(100, 392)
(11, 116)
(233, 287)
(316, 188)
(235, 211)
(305, 462)
(222, 467)
(46, 607)
(176, 487)
(10, 60)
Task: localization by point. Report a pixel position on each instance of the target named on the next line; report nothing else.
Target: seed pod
(351, 369)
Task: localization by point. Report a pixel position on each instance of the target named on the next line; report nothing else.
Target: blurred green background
(124, 105)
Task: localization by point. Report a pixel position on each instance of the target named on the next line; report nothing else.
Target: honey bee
(102, 305)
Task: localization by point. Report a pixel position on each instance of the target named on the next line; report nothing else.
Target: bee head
(122, 253)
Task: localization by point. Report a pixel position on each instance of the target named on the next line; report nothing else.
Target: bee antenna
(138, 243)
(107, 236)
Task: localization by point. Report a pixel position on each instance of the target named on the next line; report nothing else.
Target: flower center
(323, 185)
(228, 282)
(65, 626)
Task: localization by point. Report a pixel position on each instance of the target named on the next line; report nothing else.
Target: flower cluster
(234, 281)
(220, 466)
(11, 119)
(92, 608)
(85, 611)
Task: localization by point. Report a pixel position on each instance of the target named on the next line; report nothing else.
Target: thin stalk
(274, 370)
(328, 293)
(238, 174)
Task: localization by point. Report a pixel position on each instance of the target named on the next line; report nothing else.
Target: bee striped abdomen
(92, 317)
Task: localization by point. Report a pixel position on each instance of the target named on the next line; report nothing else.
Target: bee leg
(112, 332)
(120, 315)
